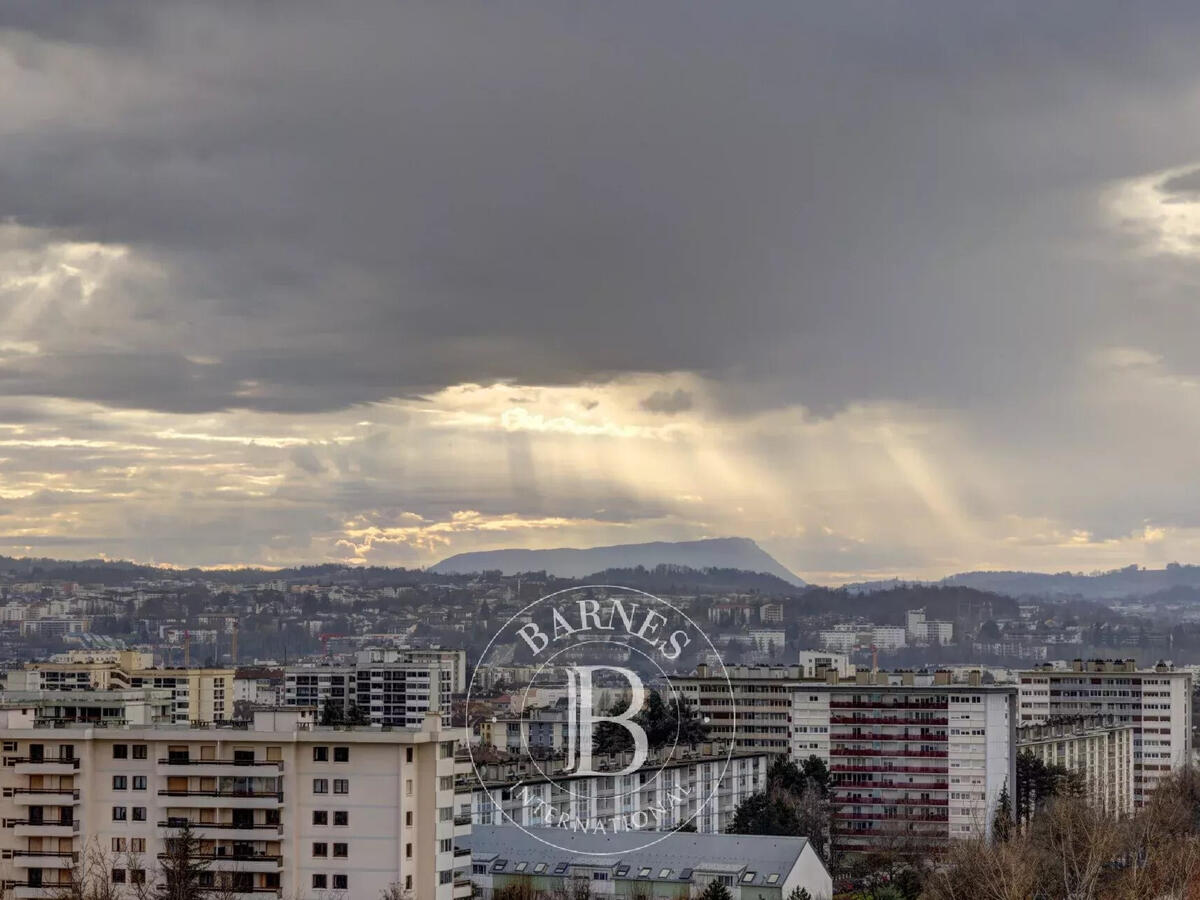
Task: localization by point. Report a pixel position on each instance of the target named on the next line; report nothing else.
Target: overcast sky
(893, 288)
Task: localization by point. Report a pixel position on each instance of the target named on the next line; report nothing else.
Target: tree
(1002, 823)
(182, 868)
(799, 893)
(794, 803)
(716, 891)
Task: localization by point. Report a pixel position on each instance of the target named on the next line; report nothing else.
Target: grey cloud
(349, 208)
(1187, 183)
(668, 402)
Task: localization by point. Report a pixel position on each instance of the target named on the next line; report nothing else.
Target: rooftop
(754, 859)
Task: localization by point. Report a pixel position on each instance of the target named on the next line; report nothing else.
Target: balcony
(226, 831)
(882, 737)
(889, 801)
(874, 817)
(43, 859)
(44, 828)
(239, 862)
(28, 765)
(27, 796)
(881, 706)
(844, 785)
(25, 889)
(886, 768)
(888, 720)
(462, 888)
(216, 799)
(219, 768)
(903, 751)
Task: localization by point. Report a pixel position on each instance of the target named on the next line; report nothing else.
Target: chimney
(941, 676)
(831, 676)
(974, 678)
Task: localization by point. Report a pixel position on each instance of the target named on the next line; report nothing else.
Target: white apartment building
(702, 787)
(756, 716)
(845, 638)
(390, 686)
(1097, 748)
(198, 694)
(1156, 702)
(921, 630)
(814, 664)
(281, 808)
(912, 756)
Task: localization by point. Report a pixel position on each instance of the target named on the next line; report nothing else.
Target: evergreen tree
(1002, 824)
(716, 891)
(799, 893)
(182, 868)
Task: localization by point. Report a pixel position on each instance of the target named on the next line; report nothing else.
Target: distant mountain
(716, 553)
(1130, 581)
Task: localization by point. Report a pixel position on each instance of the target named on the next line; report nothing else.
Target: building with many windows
(1099, 749)
(913, 757)
(280, 807)
(389, 686)
(702, 787)
(752, 707)
(1156, 702)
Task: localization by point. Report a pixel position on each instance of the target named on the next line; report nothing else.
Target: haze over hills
(1131, 581)
(567, 562)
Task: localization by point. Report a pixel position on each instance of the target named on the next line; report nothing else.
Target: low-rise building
(621, 865)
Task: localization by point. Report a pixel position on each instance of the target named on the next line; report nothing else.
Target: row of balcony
(904, 751)
(896, 817)
(888, 768)
(846, 785)
(886, 720)
(880, 736)
(882, 705)
(860, 800)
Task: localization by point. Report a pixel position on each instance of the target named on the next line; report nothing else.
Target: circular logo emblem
(592, 734)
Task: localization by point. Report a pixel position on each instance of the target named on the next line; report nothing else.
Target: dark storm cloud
(819, 203)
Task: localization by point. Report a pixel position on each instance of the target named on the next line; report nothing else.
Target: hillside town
(917, 725)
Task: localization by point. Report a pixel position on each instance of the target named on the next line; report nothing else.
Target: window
(342, 882)
(445, 877)
(320, 881)
(320, 848)
(137, 876)
(446, 783)
(139, 752)
(139, 782)
(748, 877)
(139, 814)
(121, 751)
(447, 750)
(560, 868)
(408, 754)
(118, 814)
(539, 868)
(445, 845)
(118, 876)
(10, 746)
(341, 851)
(137, 845)
(320, 785)
(320, 754)
(341, 754)
(341, 785)
(408, 851)
(664, 873)
(320, 817)
(118, 845)
(408, 819)
(120, 782)
(341, 817)
(644, 872)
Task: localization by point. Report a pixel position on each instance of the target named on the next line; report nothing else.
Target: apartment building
(913, 757)
(1097, 748)
(702, 787)
(113, 708)
(281, 807)
(1156, 702)
(815, 663)
(198, 694)
(539, 732)
(390, 686)
(558, 862)
(755, 716)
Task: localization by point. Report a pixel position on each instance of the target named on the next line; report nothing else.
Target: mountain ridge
(576, 562)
